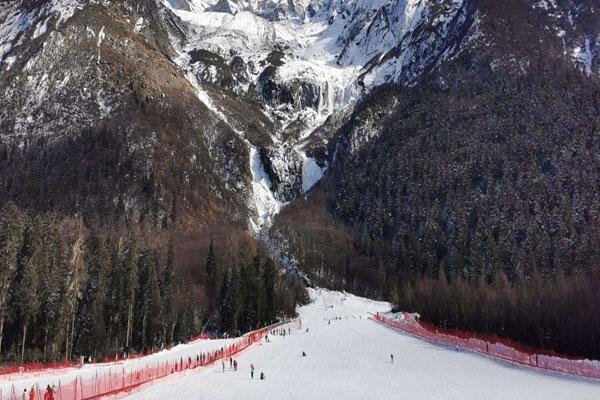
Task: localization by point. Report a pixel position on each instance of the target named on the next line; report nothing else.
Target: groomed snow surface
(65, 376)
(349, 358)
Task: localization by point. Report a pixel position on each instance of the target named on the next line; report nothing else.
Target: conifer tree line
(67, 292)
(542, 303)
(554, 313)
(474, 204)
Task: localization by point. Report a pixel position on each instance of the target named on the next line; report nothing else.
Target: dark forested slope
(472, 196)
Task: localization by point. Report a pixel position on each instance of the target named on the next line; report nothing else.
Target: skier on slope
(392, 358)
(223, 365)
(251, 371)
(49, 395)
(235, 365)
(230, 362)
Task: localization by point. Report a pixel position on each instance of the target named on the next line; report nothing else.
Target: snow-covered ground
(350, 359)
(67, 375)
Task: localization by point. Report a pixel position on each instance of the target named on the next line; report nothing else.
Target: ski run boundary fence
(500, 349)
(116, 382)
(40, 368)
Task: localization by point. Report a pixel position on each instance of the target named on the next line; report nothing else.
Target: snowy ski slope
(65, 376)
(350, 359)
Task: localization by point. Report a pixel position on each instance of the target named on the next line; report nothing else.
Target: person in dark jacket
(49, 395)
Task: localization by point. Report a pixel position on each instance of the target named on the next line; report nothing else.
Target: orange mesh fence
(8, 369)
(494, 347)
(114, 382)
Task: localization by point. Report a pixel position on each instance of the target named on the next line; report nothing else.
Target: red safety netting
(494, 347)
(8, 369)
(126, 380)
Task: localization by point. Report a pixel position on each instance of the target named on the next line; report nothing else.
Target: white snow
(12, 24)
(311, 173)
(587, 59)
(101, 37)
(14, 21)
(263, 198)
(41, 28)
(350, 359)
(66, 375)
(139, 25)
(10, 60)
(347, 358)
(584, 57)
(325, 50)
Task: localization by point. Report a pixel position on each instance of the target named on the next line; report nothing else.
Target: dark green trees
(149, 306)
(67, 292)
(25, 290)
(11, 239)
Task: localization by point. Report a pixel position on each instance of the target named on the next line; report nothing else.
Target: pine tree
(113, 305)
(269, 280)
(12, 227)
(227, 302)
(91, 327)
(75, 279)
(51, 292)
(382, 279)
(129, 284)
(213, 285)
(25, 298)
(148, 309)
(122, 286)
(211, 263)
(168, 293)
(250, 293)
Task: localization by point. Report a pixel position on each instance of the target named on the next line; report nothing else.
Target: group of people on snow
(281, 331)
(262, 376)
(32, 395)
(233, 364)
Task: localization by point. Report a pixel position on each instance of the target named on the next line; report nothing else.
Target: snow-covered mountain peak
(303, 61)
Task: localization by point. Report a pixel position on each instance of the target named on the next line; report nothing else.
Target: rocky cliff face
(303, 65)
(187, 112)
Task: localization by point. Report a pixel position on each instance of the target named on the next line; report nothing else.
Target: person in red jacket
(49, 395)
